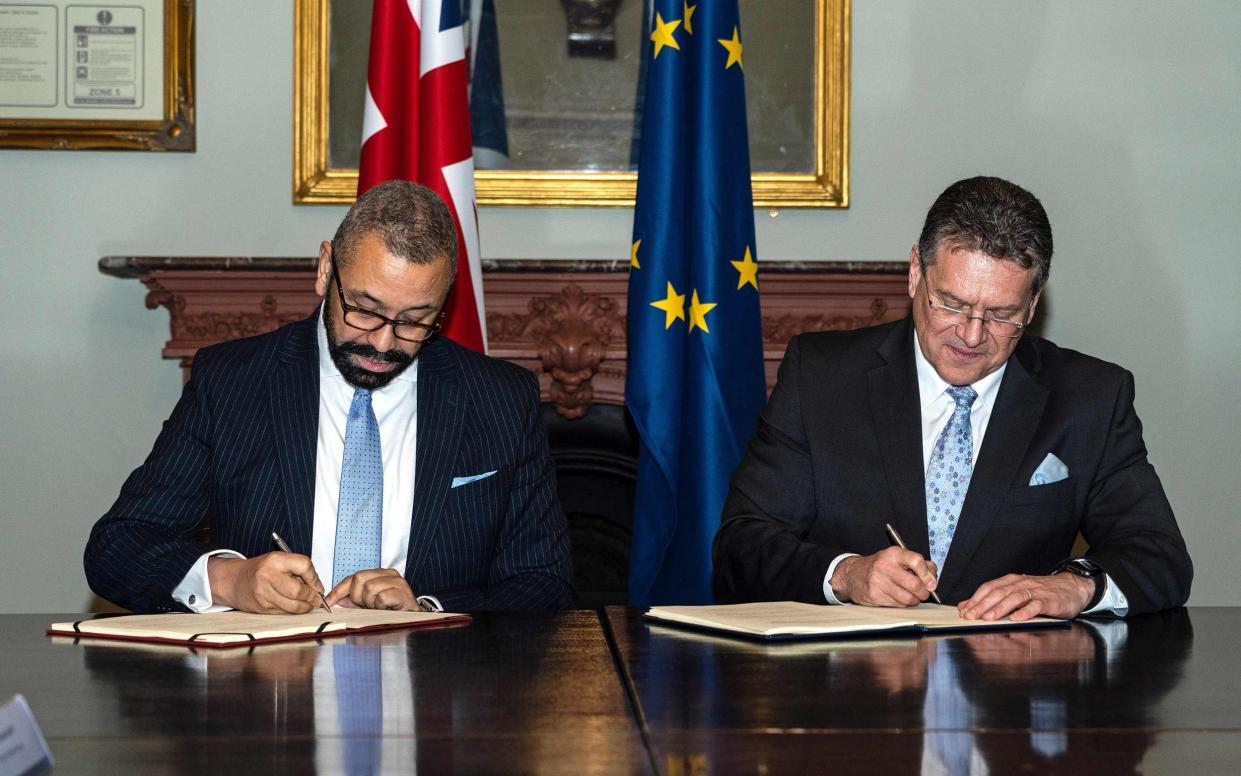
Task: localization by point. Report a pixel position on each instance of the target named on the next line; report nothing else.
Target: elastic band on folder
(224, 633)
(76, 629)
(321, 627)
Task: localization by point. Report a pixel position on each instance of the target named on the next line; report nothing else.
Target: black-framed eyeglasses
(369, 320)
(998, 327)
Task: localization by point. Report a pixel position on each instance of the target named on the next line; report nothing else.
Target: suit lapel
(1014, 418)
(293, 395)
(898, 426)
(439, 436)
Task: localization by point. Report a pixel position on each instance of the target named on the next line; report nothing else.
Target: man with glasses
(403, 470)
(986, 449)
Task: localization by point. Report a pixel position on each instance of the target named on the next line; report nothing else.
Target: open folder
(791, 620)
(239, 629)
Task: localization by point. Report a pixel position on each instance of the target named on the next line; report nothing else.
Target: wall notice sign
(105, 67)
(83, 60)
(28, 55)
(89, 75)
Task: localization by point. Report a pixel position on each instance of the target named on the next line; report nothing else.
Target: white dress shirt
(937, 409)
(395, 407)
(396, 410)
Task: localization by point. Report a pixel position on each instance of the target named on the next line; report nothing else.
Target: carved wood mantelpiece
(563, 320)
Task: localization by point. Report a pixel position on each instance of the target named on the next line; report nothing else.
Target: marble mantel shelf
(563, 320)
(136, 266)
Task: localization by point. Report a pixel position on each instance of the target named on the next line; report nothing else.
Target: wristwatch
(1087, 569)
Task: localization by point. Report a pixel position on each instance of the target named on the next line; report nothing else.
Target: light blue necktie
(359, 513)
(359, 703)
(948, 476)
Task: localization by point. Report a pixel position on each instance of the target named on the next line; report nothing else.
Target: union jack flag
(416, 126)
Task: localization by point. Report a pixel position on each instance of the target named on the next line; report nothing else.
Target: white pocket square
(1052, 469)
(459, 481)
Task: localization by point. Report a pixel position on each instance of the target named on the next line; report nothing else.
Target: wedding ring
(1029, 594)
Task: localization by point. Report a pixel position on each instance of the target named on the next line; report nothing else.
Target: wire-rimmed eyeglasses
(998, 327)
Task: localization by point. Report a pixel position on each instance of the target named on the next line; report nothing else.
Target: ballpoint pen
(897, 538)
(275, 537)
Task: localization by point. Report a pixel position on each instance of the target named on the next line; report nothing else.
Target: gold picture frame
(826, 185)
(174, 131)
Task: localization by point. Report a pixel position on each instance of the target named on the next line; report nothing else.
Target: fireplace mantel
(563, 320)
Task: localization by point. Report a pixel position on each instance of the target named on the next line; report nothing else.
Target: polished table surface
(605, 692)
(508, 693)
(1157, 693)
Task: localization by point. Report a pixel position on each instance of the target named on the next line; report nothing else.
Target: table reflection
(953, 709)
(978, 703)
(1098, 674)
(350, 701)
(177, 698)
(364, 694)
(505, 689)
(536, 693)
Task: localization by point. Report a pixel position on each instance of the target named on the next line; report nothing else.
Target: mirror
(555, 90)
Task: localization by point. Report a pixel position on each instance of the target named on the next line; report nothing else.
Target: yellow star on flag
(734, 50)
(748, 269)
(689, 15)
(633, 256)
(662, 36)
(698, 312)
(673, 306)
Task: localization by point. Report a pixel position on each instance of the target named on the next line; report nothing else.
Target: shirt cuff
(430, 603)
(194, 590)
(1113, 601)
(828, 593)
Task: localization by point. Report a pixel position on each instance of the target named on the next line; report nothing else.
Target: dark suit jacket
(838, 452)
(239, 450)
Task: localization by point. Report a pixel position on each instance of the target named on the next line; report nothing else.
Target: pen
(897, 538)
(275, 537)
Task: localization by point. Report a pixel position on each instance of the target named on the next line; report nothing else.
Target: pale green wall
(1123, 117)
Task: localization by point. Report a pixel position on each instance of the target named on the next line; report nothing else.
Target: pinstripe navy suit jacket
(239, 451)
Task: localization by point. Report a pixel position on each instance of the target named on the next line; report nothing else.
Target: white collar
(931, 386)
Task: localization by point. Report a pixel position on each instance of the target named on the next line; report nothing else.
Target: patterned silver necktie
(948, 476)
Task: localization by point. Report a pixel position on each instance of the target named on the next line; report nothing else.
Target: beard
(355, 375)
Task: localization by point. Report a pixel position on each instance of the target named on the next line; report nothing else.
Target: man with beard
(986, 448)
(406, 470)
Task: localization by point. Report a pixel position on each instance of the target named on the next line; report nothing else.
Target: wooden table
(604, 692)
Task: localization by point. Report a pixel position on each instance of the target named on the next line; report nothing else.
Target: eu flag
(695, 382)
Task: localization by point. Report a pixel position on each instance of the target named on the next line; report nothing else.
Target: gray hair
(991, 216)
(413, 222)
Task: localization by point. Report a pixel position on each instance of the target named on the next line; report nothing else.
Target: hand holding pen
(900, 543)
(895, 576)
(275, 537)
(271, 583)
